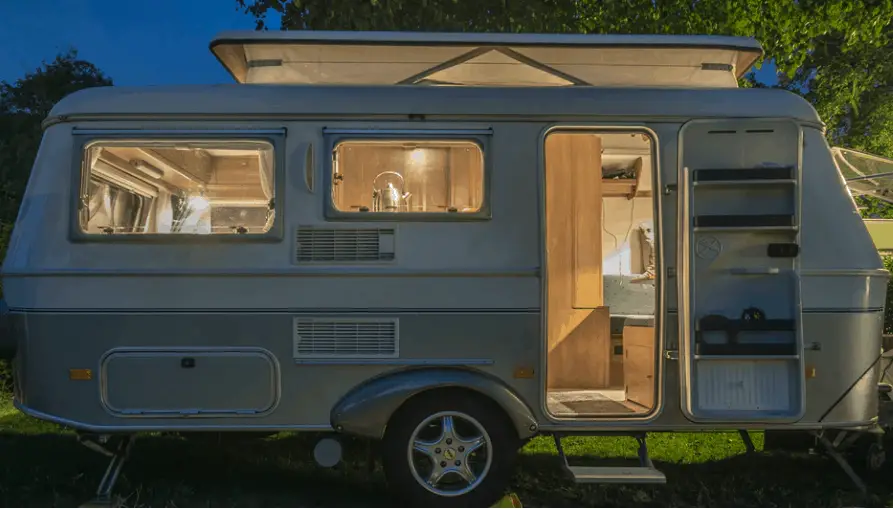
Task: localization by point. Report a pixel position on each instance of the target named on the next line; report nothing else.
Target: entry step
(617, 475)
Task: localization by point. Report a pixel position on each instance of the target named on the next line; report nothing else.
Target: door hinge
(669, 188)
(671, 271)
(672, 355)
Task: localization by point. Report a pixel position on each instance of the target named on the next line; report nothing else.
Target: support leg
(844, 464)
(748, 443)
(107, 484)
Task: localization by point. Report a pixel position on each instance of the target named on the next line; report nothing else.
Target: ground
(42, 465)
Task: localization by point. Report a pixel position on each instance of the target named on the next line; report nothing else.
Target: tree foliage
(24, 104)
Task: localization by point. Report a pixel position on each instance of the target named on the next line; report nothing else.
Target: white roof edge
(482, 104)
(229, 46)
(488, 38)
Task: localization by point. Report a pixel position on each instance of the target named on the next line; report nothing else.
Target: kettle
(389, 199)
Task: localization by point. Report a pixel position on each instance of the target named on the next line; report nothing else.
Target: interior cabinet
(638, 364)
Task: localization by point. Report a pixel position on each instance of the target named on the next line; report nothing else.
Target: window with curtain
(207, 187)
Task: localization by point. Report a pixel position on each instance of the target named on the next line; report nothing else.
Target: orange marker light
(80, 374)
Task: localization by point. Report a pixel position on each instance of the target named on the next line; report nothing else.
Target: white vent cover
(340, 245)
(327, 338)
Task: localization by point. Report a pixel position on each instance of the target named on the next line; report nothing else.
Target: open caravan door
(739, 307)
(869, 176)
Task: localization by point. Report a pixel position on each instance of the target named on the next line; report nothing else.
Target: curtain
(164, 211)
(267, 179)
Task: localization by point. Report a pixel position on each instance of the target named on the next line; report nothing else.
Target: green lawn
(42, 465)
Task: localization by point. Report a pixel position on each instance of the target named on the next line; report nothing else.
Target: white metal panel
(736, 386)
(630, 103)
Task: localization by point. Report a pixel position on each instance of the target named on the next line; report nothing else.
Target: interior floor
(578, 403)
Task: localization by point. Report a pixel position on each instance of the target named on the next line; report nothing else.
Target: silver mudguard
(365, 410)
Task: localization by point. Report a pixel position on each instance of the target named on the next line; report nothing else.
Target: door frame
(660, 270)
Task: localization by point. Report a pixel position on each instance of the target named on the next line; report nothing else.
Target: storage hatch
(199, 382)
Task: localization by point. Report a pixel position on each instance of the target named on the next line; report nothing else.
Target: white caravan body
(221, 258)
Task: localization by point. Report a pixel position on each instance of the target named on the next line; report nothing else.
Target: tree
(422, 15)
(24, 104)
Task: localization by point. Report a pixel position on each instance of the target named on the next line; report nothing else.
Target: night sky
(135, 42)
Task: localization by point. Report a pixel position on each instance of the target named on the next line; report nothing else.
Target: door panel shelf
(723, 324)
(739, 209)
(744, 177)
(756, 351)
(746, 357)
(744, 221)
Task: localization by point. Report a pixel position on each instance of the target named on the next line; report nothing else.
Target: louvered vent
(344, 244)
(340, 338)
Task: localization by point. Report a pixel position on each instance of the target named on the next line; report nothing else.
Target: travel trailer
(449, 243)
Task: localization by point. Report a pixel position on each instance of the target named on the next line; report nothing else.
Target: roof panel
(477, 59)
(482, 103)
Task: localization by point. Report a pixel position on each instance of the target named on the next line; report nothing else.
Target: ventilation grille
(344, 244)
(345, 338)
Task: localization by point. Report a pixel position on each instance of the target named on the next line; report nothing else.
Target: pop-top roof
(485, 59)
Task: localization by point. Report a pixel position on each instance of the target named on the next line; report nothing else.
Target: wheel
(449, 449)
(875, 457)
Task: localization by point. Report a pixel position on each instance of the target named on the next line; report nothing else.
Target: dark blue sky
(135, 42)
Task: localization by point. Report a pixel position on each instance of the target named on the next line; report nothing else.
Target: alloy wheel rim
(449, 453)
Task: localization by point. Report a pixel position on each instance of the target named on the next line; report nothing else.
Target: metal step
(617, 475)
(645, 473)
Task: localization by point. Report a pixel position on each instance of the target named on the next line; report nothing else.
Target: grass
(42, 465)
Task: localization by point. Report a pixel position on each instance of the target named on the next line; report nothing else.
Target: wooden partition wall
(578, 335)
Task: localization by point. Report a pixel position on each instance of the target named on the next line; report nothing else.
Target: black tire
(504, 443)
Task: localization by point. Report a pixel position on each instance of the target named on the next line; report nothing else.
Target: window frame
(84, 139)
(479, 137)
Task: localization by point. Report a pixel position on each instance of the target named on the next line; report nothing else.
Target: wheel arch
(365, 410)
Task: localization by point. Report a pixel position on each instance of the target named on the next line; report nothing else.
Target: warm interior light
(417, 156)
(199, 203)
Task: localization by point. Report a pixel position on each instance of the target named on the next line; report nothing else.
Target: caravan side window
(221, 187)
(408, 176)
